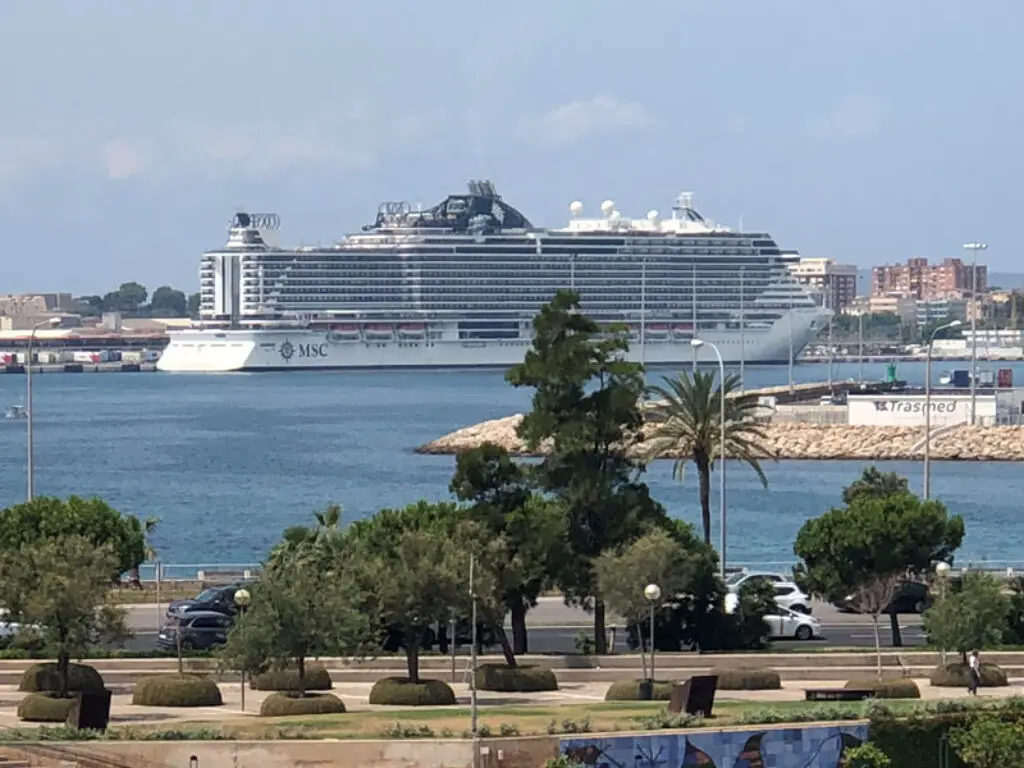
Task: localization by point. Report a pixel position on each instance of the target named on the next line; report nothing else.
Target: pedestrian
(974, 673)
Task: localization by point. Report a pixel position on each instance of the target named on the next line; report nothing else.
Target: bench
(837, 694)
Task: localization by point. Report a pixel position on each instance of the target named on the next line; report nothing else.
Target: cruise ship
(458, 285)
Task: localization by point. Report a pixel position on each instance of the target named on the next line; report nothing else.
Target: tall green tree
(46, 517)
(688, 420)
(988, 742)
(971, 617)
(60, 586)
(586, 406)
(168, 302)
(876, 484)
(863, 550)
(524, 533)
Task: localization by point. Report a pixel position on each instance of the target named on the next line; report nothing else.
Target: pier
(113, 367)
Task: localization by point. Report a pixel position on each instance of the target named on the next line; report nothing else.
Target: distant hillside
(1001, 279)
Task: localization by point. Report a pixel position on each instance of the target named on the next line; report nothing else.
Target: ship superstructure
(458, 284)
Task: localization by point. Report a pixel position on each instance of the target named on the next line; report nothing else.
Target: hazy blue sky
(867, 131)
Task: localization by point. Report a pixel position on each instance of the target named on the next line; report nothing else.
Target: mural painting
(813, 747)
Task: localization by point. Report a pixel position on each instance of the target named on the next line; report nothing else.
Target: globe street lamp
(928, 408)
(242, 599)
(697, 344)
(942, 572)
(29, 410)
(652, 593)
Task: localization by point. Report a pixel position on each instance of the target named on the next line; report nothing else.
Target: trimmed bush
(747, 679)
(400, 691)
(528, 679)
(902, 688)
(44, 708)
(41, 678)
(283, 704)
(629, 690)
(955, 675)
(175, 691)
(317, 679)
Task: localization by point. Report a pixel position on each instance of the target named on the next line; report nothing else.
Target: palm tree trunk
(704, 476)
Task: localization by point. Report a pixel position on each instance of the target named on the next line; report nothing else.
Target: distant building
(905, 307)
(936, 310)
(834, 285)
(927, 282)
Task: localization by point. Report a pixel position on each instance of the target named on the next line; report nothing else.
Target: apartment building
(928, 282)
(834, 285)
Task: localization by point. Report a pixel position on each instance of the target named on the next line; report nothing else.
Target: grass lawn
(454, 721)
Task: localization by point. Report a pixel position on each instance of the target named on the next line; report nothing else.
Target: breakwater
(798, 441)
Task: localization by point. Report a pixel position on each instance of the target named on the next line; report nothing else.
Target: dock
(114, 367)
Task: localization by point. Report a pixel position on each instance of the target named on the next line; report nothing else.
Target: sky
(869, 132)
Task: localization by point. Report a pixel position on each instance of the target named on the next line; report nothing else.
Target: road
(554, 627)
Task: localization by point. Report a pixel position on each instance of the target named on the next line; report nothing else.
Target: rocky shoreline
(801, 441)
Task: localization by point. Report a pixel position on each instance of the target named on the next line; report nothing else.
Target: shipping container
(1005, 378)
(961, 378)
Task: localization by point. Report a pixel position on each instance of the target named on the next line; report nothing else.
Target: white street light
(52, 322)
(652, 592)
(974, 248)
(942, 571)
(697, 344)
(242, 599)
(928, 410)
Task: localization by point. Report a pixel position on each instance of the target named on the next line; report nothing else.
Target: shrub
(955, 675)
(44, 708)
(40, 678)
(499, 677)
(629, 690)
(401, 691)
(903, 688)
(748, 679)
(283, 704)
(175, 691)
(317, 679)
(865, 756)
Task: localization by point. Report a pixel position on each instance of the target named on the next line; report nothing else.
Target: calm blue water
(226, 462)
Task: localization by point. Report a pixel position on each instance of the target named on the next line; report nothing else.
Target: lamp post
(928, 408)
(860, 344)
(31, 481)
(942, 571)
(652, 593)
(242, 599)
(697, 344)
(974, 248)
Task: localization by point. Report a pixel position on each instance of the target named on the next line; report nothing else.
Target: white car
(787, 593)
(790, 624)
(738, 579)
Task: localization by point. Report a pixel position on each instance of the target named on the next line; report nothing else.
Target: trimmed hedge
(283, 704)
(174, 691)
(317, 679)
(747, 679)
(44, 708)
(526, 679)
(400, 691)
(902, 688)
(955, 675)
(41, 678)
(629, 690)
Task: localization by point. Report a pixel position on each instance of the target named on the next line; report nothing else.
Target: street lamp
(974, 248)
(652, 593)
(928, 408)
(697, 344)
(242, 599)
(942, 572)
(48, 323)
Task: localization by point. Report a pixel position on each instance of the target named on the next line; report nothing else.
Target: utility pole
(472, 676)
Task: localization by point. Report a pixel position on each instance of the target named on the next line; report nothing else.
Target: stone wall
(802, 441)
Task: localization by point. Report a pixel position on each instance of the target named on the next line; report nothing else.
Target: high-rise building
(928, 282)
(833, 285)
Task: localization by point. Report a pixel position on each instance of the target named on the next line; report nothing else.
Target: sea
(227, 461)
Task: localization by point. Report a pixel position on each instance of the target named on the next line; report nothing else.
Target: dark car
(199, 630)
(216, 599)
(912, 597)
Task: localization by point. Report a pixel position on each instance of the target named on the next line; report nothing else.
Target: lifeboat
(656, 331)
(379, 332)
(345, 331)
(412, 331)
(682, 331)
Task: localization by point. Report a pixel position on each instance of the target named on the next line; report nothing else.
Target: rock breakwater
(800, 441)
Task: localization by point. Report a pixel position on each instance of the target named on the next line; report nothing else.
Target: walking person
(974, 673)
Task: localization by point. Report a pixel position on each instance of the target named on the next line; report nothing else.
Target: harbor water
(227, 461)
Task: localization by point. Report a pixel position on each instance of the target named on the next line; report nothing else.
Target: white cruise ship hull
(276, 349)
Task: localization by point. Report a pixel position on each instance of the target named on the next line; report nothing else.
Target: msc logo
(304, 351)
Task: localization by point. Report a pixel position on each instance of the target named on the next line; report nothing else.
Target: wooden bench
(837, 694)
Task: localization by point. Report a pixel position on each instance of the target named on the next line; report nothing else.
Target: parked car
(790, 624)
(199, 631)
(738, 579)
(912, 597)
(789, 595)
(216, 599)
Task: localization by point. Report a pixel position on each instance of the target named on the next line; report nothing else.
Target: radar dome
(607, 207)
(615, 215)
(652, 215)
(576, 207)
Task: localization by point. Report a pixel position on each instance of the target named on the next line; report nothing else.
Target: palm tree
(688, 419)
